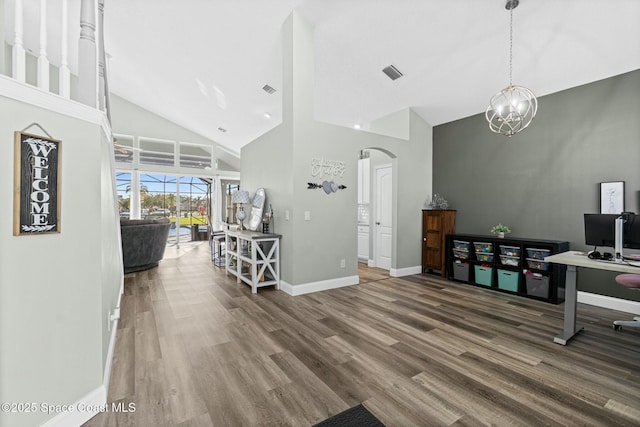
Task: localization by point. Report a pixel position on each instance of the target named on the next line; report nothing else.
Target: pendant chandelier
(512, 109)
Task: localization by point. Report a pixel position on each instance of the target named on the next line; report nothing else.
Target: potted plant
(500, 230)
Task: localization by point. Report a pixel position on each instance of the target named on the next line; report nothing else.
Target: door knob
(377, 223)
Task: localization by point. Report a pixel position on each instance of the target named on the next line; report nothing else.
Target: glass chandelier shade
(512, 109)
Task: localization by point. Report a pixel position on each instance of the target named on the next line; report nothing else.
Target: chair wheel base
(617, 327)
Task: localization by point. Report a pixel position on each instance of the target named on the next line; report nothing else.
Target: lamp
(241, 197)
(512, 109)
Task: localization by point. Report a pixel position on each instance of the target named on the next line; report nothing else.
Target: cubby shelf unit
(512, 265)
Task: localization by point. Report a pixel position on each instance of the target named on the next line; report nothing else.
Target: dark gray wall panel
(541, 181)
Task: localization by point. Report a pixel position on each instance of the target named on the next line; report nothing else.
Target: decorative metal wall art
(328, 186)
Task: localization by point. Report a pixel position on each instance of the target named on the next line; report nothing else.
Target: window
(123, 149)
(123, 185)
(157, 152)
(195, 156)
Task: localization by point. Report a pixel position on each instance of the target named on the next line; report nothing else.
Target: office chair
(631, 281)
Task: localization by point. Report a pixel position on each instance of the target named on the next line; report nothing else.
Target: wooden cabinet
(436, 225)
(512, 265)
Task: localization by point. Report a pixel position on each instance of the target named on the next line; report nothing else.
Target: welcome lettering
(40, 185)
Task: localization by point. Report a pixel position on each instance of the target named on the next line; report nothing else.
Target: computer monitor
(632, 233)
(599, 230)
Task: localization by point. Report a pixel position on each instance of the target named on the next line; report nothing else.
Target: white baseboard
(407, 271)
(96, 401)
(112, 341)
(611, 303)
(323, 285)
(371, 263)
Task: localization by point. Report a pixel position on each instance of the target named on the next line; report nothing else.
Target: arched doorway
(375, 210)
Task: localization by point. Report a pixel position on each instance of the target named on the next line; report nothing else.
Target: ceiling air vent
(268, 89)
(392, 72)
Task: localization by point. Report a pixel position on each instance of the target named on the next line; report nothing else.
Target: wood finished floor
(193, 348)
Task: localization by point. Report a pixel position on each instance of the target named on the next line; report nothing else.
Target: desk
(573, 259)
(253, 258)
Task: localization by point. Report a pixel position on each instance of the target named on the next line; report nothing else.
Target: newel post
(88, 55)
(101, 58)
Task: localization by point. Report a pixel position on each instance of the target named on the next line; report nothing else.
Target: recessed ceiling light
(267, 115)
(356, 126)
(268, 89)
(392, 72)
(221, 129)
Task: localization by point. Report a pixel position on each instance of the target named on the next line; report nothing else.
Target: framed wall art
(36, 180)
(612, 197)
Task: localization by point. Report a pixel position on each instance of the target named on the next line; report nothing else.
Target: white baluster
(43, 61)
(65, 73)
(88, 55)
(101, 65)
(18, 54)
(3, 63)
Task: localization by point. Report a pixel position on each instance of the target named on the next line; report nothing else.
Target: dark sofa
(143, 242)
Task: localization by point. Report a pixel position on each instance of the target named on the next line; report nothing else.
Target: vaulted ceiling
(203, 63)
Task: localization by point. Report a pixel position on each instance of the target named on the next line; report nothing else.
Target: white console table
(253, 258)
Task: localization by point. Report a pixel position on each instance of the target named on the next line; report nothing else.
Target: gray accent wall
(540, 182)
(280, 161)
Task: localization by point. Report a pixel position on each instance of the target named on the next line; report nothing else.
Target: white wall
(313, 249)
(56, 290)
(130, 119)
(395, 124)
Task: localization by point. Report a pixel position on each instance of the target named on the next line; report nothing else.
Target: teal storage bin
(484, 275)
(508, 280)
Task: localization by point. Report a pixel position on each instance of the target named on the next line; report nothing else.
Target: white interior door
(383, 225)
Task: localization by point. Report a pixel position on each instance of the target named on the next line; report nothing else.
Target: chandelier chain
(512, 109)
(511, 47)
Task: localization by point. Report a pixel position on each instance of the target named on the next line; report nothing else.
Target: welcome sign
(36, 193)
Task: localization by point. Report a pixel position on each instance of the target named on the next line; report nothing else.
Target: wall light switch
(307, 215)
(286, 215)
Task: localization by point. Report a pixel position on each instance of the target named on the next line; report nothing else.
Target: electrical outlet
(307, 215)
(286, 215)
(343, 263)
